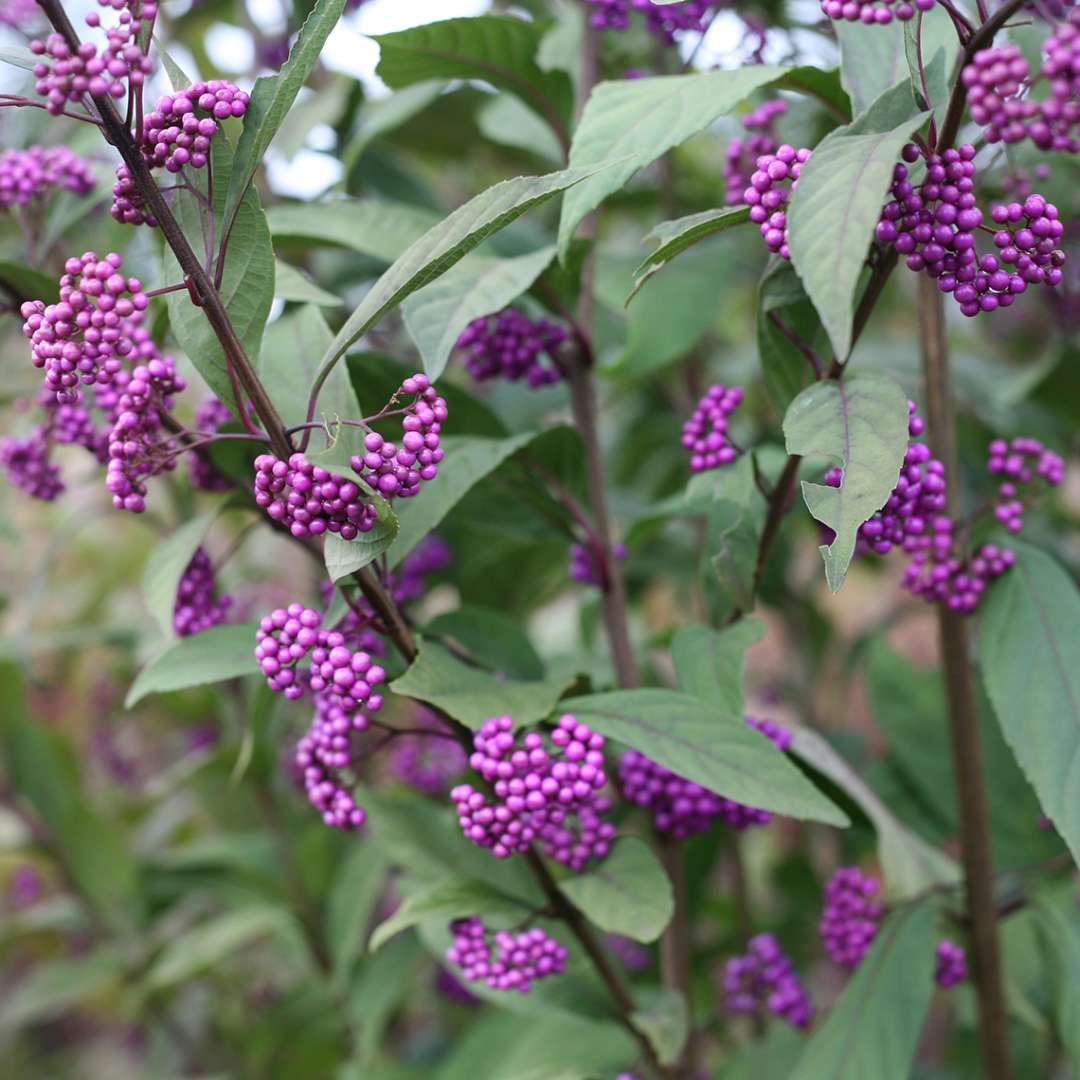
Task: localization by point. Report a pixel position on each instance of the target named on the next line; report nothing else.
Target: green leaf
(837, 205)
(345, 557)
(872, 60)
(674, 237)
(52, 988)
(247, 286)
(380, 987)
(166, 566)
(354, 894)
(491, 637)
(781, 300)
(1061, 949)
(437, 314)
(506, 121)
(383, 115)
(383, 230)
(471, 695)
(294, 285)
(709, 663)
(632, 122)
(497, 49)
(940, 49)
(446, 244)
(26, 283)
(208, 943)
(1029, 627)
(454, 898)
(628, 893)
(707, 745)
(666, 1024)
(873, 1030)
(222, 652)
(466, 461)
(911, 866)
(861, 423)
(273, 96)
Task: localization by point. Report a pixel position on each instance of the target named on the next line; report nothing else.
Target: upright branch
(963, 716)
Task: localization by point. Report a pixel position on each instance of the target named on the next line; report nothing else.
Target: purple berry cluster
(1019, 463)
(19, 14)
(742, 153)
(428, 762)
(504, 960)
(764, 978)
(198, 604)
(135, 451)
(934, 227)
(345, 677)
(704, 435)
(65, 76)
(176, 134)
(681, 808)
(851, 916)
(211, 415)
(29, 175)
(586, 568)
(950, 964)
(324, 758)
(512, 346)
(663, 21)
(28, 467)
(397, 472)
(537, 784)
(874, 12)
(310, 500)
(771, 184)
(999, 85)
(83, 339)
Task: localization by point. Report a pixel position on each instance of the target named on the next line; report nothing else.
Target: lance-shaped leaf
(499, 49)
(873, 1030)
(872, 60)
(272, 97)
(166, 565)
(635, 121)
(1028, 634)
(674, 237)
(860, 423)
(665, 1022)
(441, 247)
(705, 744)
(837, 204)
(911, 866)
(437, 314)
(384, 230)
(294, 285)
(709, 663)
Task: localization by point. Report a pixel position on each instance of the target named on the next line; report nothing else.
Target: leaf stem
(963, 714)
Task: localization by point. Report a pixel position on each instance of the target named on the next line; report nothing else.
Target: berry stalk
(963, 716)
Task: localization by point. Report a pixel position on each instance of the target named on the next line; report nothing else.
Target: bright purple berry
(28, 176)
(951, 964)
(504, 960)
(512, 346)
(775, 177)
(430, 761)
(586, 568)
(705, 433)
(742, 153)
(764, 978)
(198, 603)
(851, 916)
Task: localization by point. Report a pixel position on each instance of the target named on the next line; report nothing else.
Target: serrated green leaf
(674, 237)
(273, 96)
(707, 745)
(873, 1030)
(478, 286)
(344, 557)
(837, 205)
(505, 120)
(222, 652)
(1061, 941)
(498, 49)
(166, 565)
(466, 461)
(1029, 627)
(471, 695)
(294, 285)
(911, 866)
(632, 122)
(861, 423)
(454, 898)
(628, 893)
(872, 60)
(491, 637)
(446, 244)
